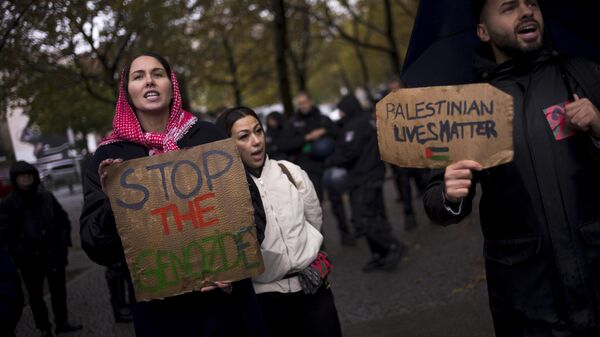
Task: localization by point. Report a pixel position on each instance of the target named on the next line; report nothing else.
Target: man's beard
(510, 46)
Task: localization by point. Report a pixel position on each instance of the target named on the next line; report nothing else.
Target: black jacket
(540, 215)
(294, 145)
(221, 314)
(11, 295)
(35, 229)
(275, 138)
(356, 149)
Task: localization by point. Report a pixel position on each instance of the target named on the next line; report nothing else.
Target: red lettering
(191, 215)
(164, 212)
(195, 214)
(201, 211)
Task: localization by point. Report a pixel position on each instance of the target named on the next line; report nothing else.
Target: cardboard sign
(185, 219)
(435, 126)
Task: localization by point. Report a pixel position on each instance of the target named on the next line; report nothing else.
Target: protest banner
(435, 126)
(185, 219)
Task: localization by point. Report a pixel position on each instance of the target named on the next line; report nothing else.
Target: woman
(149, 120)
(292, 239)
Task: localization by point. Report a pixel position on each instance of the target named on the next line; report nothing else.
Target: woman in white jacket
(292, 237)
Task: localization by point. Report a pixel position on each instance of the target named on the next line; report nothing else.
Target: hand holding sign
(102, 170)
(458, 179)
(584, 116)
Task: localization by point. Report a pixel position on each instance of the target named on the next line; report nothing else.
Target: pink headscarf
(126, 126)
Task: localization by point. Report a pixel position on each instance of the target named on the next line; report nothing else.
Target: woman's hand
(223, 285)
(102, 170)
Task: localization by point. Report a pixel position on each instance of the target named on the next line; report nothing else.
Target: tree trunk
(233, 66)
(393, 54)
(280, 40)
(301, 62)
(364, 70)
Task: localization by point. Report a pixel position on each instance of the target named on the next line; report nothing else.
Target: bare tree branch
(14, 24)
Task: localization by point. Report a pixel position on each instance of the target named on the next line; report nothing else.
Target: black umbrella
(443, 42)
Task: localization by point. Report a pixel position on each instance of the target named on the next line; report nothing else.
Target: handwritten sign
(185, 219)
(435, 126)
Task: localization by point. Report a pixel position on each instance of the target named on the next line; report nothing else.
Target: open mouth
(528, 31)
(257, 154)
(151, 94)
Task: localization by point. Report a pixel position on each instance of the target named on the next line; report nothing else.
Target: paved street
(438, 290)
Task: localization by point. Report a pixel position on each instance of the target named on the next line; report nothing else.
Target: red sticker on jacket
(555, 115)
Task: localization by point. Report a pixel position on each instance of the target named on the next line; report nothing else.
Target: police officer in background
(357, 151)
(403, 175)
(305, 128)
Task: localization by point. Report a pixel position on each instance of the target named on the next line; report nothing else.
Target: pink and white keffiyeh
(126, 126)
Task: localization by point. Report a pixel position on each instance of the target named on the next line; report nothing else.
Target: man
(37, 232)
(306, 127)
(540, 215)
(303, 141)
(357, 151)
(403, 175)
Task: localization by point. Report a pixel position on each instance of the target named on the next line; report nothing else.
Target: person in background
(37, 233)
(275, 136)
(304, 129)
(293, 292)
(403, 175)
(357, 151)
(149, 120)
(11, 294)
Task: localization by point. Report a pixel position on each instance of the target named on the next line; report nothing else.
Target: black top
(539, 213)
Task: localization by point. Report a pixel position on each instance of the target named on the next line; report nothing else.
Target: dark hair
(228, 117)
(476, 8)
(127, 68)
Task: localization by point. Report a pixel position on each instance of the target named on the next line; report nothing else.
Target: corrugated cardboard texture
(435, 126)
(185, 219)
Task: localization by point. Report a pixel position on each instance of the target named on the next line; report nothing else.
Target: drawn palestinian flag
(437, 153)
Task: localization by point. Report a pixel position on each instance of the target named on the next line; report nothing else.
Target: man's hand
(458, 178)
(584, 116)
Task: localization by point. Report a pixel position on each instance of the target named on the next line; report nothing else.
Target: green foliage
(61, 60)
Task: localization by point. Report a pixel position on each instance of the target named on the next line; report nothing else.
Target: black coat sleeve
(349, 146)
(433, 201)
(292, 140)
(98, 229)
(62, 221)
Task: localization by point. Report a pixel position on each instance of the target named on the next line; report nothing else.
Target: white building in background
(17, 124)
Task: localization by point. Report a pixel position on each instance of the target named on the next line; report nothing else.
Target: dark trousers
(368, 214)
(119, 285)
(300, 315)
(33, 277)
(316, 178)
(402, 179)
(339, 211)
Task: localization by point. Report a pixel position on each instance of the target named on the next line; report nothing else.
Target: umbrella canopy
(443, 42)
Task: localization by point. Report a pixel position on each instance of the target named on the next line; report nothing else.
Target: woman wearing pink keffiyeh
(150, 120)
